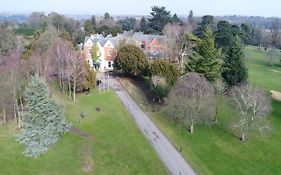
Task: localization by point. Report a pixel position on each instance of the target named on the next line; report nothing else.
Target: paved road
(165, 150)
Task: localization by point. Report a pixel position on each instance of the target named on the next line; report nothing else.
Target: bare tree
(220, 91)
(75, 70)
(275, 32)
(173, 32)
(254, 107)
(12, 80)
(179, 42)
(59, 51)
(191, 100)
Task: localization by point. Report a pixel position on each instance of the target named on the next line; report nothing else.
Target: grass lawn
(118, 148)
(216, 149)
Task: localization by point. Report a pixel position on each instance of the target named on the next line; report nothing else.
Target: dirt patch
(276, 95)
(81, 133)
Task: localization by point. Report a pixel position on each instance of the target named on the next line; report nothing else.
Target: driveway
(165, 150)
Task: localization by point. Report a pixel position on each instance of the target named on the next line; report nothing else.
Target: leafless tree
(173, 32)
(75, 70)
(220, 91)
(275, 32)
(254, 107)
(191, 100)
(12, 81)
(59, 51)
(179, 42)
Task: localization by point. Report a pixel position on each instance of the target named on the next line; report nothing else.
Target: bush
(164, 69)
(131, 60)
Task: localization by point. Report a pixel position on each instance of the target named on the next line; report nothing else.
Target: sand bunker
(276, 95)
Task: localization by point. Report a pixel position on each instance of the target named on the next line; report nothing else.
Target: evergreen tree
(205, 59)
(43, 119)
(207, 21)
(176, 19)
(234, 71)
(143, 25)
(160, 17)
(224, 35)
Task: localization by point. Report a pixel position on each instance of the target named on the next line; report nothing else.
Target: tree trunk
(74, 90)
(60, 77)
(21, 104)
(69, 88)
(4, 115)
(243, 136)
(191, 128)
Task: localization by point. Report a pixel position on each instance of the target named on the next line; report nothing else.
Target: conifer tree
(206, 57)
(234, 71)
(43, 119)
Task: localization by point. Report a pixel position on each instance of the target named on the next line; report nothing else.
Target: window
(142, 46)
(109, 53)
(109, 64)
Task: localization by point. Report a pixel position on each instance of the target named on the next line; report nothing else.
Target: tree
(43, 119)
(94, 21)
(75, 70)
(79, 36)
(94, 52)
(190, 101)
(160, 88)
(172, 32)
(207, 21)
(89, 27)
(275, 31)
(234, 71)
(205, 59)
(175, 19)
(254, 106)
(190, 19)
(131, 60)
(245, 33)
(164, 69)
(105, 30)
(107, 21)
(127, 24)
(223, 35)
(220, 90)
(160, 17)
(36, 20)
(143, 25)
(7, 41)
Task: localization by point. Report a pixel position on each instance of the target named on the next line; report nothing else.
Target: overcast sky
(266, 8)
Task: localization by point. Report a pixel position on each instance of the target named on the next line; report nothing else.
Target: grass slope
(118, 147)
(216, 149)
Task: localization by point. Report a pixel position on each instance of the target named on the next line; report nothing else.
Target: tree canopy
(43, 119)
(206, 57)
(160, 17)
(234, 71)
(131, 60)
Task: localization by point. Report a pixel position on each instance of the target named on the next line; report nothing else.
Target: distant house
(152, 45)
(106, 52)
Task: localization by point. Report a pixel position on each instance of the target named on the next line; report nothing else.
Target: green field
(117, 146)
(216, 149)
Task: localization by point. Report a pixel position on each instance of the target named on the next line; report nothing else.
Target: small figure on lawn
(82, 115)
(98, 109)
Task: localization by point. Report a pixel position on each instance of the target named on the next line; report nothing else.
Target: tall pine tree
(234, 71)
(43, 119)
(206, 57)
